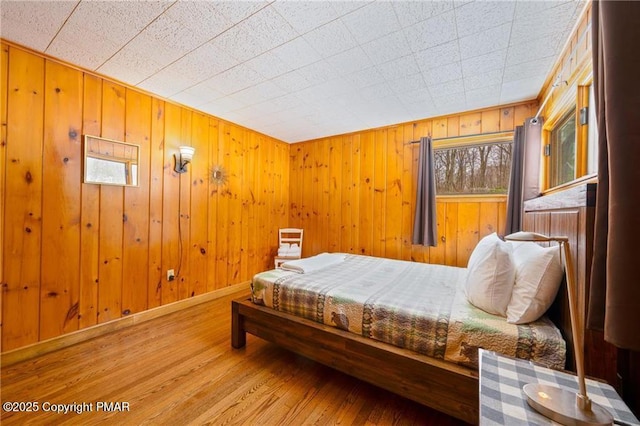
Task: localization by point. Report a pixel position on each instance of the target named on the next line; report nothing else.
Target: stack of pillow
(289, 250)
(517, 280)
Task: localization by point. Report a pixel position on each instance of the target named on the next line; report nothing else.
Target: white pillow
(538, 276)
(490, 275)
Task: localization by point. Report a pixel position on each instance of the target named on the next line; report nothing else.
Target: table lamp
(562, 405)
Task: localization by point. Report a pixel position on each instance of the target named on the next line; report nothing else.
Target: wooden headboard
(569, 212)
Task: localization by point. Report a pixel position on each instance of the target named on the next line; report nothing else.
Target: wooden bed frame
(444, 386)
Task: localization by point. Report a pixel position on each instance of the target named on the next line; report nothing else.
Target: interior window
(563, 150)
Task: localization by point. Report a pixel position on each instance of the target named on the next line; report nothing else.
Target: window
(473, 169)
(563, 150)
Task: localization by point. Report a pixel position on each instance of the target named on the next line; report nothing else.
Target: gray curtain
(524, 182)
(614, 299)
(424, 224)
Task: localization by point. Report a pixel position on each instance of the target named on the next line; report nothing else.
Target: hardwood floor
(181, 369)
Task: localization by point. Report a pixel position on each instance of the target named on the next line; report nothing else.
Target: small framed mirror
(109, 162)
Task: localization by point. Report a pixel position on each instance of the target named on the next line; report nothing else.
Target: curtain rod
(464, 136)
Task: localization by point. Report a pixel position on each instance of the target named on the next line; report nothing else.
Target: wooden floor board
(181, 369)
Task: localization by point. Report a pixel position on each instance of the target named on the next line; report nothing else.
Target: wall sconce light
(183, 158)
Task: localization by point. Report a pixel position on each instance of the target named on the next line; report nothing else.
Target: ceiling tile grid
(299, 70)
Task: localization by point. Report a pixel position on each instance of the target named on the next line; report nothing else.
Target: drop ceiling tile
(197, 95)
(235, 79)
(292, 82)
(297, 53)
(130, 67)
(546, 21)
(268, 65)
(401, 67)
(166, 83)
(485, 41)
(480, 80)
(438, 56)
(443, 74)
(33, 24)
(387, 48)
(484, 63)
(372, 21)
(262, 31)
(367, 77)
(307, 16)
(146, 46)
(533, 49)
(285, 102)
(223, 105)
(201, 17)
(528, 69)
(448, 88)
(412, 12)
(448, 104)
(204, 62)
(79, 55)
(348, 6)
(431, 32)
(380, 90)
(479, 16)
(259, 93)
(524, 9)
(520, 90)
(236, 11)
(330, 39)
(350, 61)
(136, 15)
(318, 72)
(483, 97)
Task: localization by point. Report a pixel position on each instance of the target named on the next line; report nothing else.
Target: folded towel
(314, 263)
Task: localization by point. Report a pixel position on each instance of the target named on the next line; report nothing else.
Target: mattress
(416, 306)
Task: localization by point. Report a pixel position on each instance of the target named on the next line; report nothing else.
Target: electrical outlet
(170, 275)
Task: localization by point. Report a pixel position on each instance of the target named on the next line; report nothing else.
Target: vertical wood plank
(111, 212)
(4, 80)
(347, 196)
(322, 176)
(437, 254)
(170, 211)
(379, 193)
(61, 200)
(236, 136)
(156, 276)
(506, 119)
(335, 195)
(355, 183)
(365, 225)
(488, 219)
(307, 200)
(453, 126)
(490, 121)
(468, 230)
(408, 189)
(199, 205)
(213, 197)
(136, 207)
(183, 274)
(222, 231)
(247, 250)
(451, 234)
(90, 215)
(23, 200)
(393, 209)
(470, 123)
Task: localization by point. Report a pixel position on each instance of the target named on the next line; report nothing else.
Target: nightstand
(502, 401)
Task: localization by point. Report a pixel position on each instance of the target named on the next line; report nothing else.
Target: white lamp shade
(186, 153)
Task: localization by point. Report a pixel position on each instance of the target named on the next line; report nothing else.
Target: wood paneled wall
(356, 193)
(75, 255)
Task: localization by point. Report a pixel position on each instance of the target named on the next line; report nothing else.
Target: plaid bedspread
(412, 305)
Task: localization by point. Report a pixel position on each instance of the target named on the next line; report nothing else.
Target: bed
(404, 326)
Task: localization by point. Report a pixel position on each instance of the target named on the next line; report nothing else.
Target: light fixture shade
(186, 152)
(183, 158)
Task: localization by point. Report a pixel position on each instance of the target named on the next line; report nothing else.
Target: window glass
(563, 150)
(473, 169)
(592, 143)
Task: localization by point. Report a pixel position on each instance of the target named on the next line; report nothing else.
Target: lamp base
(560, 406)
